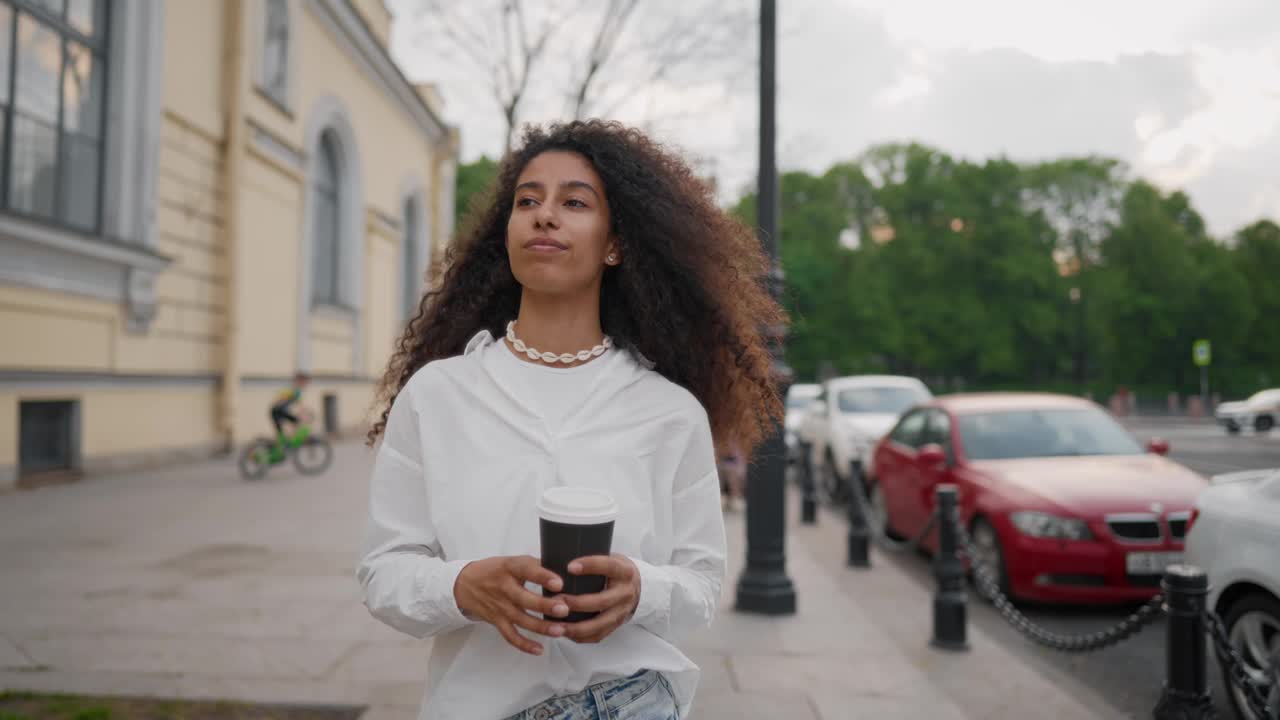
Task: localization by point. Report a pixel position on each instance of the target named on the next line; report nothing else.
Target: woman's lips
(545, 245)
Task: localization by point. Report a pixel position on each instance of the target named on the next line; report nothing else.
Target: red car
(1055, 493)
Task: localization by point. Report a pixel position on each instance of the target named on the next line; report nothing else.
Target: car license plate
(1151, 563)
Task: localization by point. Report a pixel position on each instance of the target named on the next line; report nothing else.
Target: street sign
(1200, 353)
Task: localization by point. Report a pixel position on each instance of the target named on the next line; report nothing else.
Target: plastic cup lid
(577, 506)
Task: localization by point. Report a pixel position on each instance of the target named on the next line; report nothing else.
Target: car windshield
(798, 400)
(881, 400)
(1043, 433)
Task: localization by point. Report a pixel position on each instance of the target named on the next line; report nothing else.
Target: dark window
(52, 108)
(327, 224)
(275, 61)
(47, 436)
(910, 430)
(938, 431)
(331, 418)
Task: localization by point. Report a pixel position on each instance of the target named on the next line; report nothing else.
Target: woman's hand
(493, 590)
(616, 603)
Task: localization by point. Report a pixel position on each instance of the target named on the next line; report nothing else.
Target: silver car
(1235, 530)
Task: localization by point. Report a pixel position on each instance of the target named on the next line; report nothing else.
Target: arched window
(327, 220)
(275, 52)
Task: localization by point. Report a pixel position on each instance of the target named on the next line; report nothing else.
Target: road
(1128, 676)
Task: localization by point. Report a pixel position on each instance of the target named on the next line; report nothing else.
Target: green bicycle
(311, 454)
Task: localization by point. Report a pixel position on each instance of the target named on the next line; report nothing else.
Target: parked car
(1261, 412)
(799, 396)
(1060, 500)
(847, 418)
(1235, 530)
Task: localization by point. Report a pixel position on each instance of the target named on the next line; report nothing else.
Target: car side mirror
(931, 455)
(1159, 446)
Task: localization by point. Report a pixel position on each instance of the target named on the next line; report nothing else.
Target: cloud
(1187, 92)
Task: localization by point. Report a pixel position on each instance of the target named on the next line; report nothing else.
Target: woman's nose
(545, 217)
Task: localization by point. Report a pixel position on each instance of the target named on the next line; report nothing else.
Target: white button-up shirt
(462, 462)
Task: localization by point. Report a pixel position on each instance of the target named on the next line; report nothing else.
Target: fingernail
(575, 568)
(537, 650)
(557, 630)
(555, 585)
(560, 610)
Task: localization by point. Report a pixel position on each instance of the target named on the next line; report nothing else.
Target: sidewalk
(192, 583)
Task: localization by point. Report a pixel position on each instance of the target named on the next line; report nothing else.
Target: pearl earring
(612, 258)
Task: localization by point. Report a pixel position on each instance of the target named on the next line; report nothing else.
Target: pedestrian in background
(598, 325)
(733, 476)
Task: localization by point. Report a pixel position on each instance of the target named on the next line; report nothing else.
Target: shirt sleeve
(682, 595)
(407, 582)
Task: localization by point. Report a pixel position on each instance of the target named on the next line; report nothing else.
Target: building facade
(197, 200)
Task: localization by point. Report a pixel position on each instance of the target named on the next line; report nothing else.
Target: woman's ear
(613, 255)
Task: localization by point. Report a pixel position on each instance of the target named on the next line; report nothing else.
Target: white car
(1235, 530)
(1261, 412)
(799, 396)
(848, 417)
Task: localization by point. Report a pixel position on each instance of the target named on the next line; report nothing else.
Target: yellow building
(197, 199)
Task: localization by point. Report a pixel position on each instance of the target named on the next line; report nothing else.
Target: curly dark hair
(691, 296)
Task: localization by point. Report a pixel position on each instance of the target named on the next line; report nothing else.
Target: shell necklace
(549, 357)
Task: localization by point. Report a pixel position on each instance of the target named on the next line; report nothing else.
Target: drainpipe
(235, 91)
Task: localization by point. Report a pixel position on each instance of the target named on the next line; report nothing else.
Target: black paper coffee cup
(575, 522)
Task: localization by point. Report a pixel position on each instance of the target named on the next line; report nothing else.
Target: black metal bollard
(1186, 686)
(808, 489)
(950, 612)
(859, 533)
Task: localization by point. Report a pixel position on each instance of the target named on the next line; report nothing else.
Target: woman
(636, 305)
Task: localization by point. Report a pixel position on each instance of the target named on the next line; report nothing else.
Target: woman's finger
(520, 618)
(515, 639)
(595, 629)
(552, 607)
(610, 567)
(526, 568)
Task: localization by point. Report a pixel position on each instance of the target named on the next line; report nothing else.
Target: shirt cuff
(654, 608)
(438, 592)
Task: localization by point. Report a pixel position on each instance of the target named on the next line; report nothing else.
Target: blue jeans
(643, 696)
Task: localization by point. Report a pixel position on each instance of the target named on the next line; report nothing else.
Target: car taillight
(1191, 521)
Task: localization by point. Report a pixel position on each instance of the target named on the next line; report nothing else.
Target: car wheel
(1264, 423)
(990, 554)
(1253, 624)
(880, 520)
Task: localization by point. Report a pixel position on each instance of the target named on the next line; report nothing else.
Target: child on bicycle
(282, 409)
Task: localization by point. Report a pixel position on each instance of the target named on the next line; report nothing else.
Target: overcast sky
(1187, 92)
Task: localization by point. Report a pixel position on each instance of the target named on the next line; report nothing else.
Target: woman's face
(558, 237)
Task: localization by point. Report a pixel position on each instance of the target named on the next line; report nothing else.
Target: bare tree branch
(627, 52)
(606, 39)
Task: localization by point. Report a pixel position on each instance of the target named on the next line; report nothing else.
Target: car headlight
(1044, 525)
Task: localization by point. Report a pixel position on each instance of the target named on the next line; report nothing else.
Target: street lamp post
(764, 586)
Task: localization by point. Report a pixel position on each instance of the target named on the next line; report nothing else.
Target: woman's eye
(525, 202)
(574, 202)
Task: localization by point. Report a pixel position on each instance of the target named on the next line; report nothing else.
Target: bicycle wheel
(313, 456)
(255, 459)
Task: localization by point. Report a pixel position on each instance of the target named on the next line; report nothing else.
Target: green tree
(474, 181)
(1257, 257)
(1164, 284)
